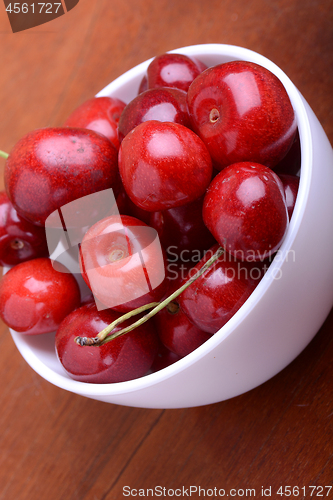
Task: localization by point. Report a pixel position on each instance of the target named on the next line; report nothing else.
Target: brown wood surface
(56, 445)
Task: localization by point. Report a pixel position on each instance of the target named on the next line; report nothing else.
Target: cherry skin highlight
(245, 210)
(124, 358)
(123, 263)
(51, 167)
(242, 112)
(100, 114)
(19, 239)
(35, 298)
(163, 165)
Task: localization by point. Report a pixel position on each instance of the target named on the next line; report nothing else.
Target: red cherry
(164, 358)
(218, 294)
(124, 358)
(174, 328)
(182, 231)
(291, 163)
(100, 114)
(19, 239)
(245, 210)
(163, 165)
(290, 185)
(50, 167)
(173, 70)
(143, 84)
(123, 263)
(35, 298)
(162, 104)
(242, 112)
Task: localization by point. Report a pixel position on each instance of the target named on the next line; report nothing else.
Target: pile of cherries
(205, 158)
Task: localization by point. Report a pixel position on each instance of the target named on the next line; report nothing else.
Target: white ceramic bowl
(281, 316)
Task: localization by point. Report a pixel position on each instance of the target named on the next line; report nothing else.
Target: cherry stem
(4, 155)
(103, 337)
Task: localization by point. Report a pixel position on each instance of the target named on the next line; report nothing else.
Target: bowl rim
(232, 52)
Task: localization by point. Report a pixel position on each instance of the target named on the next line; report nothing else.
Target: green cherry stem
(4, 155)
(103, 337)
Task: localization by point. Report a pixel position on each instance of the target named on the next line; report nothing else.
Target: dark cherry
(245, 210)
(163, 165)
(164, 358)
(173, 70)
(50, 167)
(175, 329)
(242, 112)
(291, 163)
(143, 84)
(19, 239)
(125, 358)
(162, 104)
(100, 114)
(290, 185)
(218, 294)
(182, 231)
(123, 263)
(35, 298)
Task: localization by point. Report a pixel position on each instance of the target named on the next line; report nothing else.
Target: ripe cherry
(162, 104)
(290, 185)
(19, 239)
(51, 167)
(182, 231)
(242, 112)
(218, 294)
(125, 358)
(175, 329)
(100, 114)
(123, 263)
(245, 210)
(35, 298)
(163, 165)
(173, 70)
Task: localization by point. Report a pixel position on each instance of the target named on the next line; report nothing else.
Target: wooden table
(56, 445)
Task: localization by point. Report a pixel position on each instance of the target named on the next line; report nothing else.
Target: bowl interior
(39, 351)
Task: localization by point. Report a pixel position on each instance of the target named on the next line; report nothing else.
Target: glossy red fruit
(19, 239)
(173, 70)
(50, 167)
(163, 165)
(219, 293)
(182, 231)
(125, 358)
(123, 263)
(242, 112)
(163, 358)
(162, 104)
(291, 163)
(174, 328)
(245, 210)
(35, 298)
(100, 114)
(290, 185)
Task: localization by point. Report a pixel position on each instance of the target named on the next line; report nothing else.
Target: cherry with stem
(104, 336)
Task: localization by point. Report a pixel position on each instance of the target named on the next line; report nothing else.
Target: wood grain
(57, 445)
